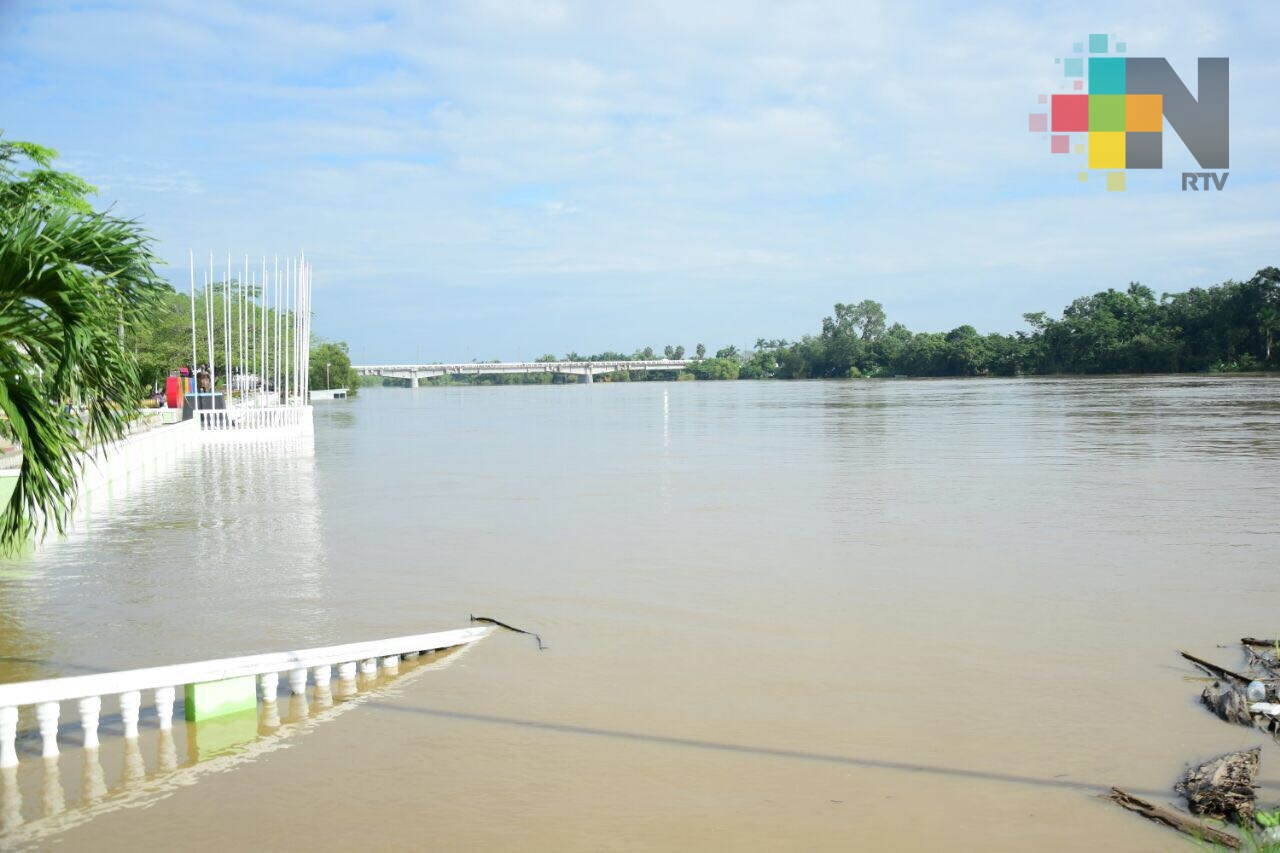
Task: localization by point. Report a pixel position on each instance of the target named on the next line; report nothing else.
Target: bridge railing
(523, 366)
(163, 682)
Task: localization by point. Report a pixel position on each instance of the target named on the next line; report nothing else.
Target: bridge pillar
(586, 378)
(413, 379)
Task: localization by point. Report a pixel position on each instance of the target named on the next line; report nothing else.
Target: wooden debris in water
(1214, 669)
(1229, 702)
(1173, 819)
(1223, 787)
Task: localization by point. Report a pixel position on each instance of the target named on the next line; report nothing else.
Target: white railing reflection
(42, 799)
(162, 683)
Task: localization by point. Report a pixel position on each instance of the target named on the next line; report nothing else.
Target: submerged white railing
(266, 418)
(128, 685)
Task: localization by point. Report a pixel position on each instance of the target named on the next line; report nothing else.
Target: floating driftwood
(1173, 819)
(1223, 787)
(1229, 702)
(1214, 669)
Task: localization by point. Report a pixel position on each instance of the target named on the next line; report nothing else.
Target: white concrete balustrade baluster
(165, 697)
(90, 710)
(322, 676)
(270, 684)
(130, 706)
(8, 736)
(298, 681)
(391, 663)
(369, 667)
(47, 720)
(347, 671)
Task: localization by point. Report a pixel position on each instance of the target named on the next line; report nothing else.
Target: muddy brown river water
(883, 615)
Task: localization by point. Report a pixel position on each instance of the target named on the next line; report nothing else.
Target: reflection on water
(981, 580)
(211, 746)
(173, 567)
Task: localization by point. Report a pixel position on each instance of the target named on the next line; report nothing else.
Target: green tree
(716, 368)
(700, 351)
(163, 343)
(333, 358)
(70, 280)
(848, 337)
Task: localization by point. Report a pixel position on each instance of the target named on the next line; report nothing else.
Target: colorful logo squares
(1107, 113)
(1106, 75)
(1144, 113)
(1070, 113)
(1124, 150)
(1106, 150)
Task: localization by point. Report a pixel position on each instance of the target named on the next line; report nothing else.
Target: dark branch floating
(486, 620)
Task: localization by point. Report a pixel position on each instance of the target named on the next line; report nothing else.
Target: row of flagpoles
(266, 330)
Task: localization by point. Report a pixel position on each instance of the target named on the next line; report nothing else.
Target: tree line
(1227, 327)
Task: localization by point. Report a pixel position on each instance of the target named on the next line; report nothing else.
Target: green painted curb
(217, 698)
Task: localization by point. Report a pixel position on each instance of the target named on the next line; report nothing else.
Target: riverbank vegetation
(1227, 327)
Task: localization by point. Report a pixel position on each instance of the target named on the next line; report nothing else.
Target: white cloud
(750, 153)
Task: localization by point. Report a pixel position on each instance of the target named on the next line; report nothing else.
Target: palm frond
(69, 282)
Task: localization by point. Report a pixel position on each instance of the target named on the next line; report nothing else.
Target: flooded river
(810, 615)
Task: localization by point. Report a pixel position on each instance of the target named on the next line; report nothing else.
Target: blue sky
(503, 179)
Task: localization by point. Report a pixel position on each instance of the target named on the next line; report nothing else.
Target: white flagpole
(277, 386)
(226, 325)
(250, 312)
(258, 332)
(304, 381)
(208, 310)
(241, 318)
(288, 302)
(285, 341)
(191, 255)
(306, 338)
(293, 293)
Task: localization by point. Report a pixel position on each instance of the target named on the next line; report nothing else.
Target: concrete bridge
(584, 370)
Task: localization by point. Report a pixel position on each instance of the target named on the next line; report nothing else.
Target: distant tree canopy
(1225, 327)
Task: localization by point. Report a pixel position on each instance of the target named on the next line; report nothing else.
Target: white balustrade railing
(163, 682)
(264, 418)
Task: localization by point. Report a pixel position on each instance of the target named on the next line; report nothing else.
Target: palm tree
(70, 281)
